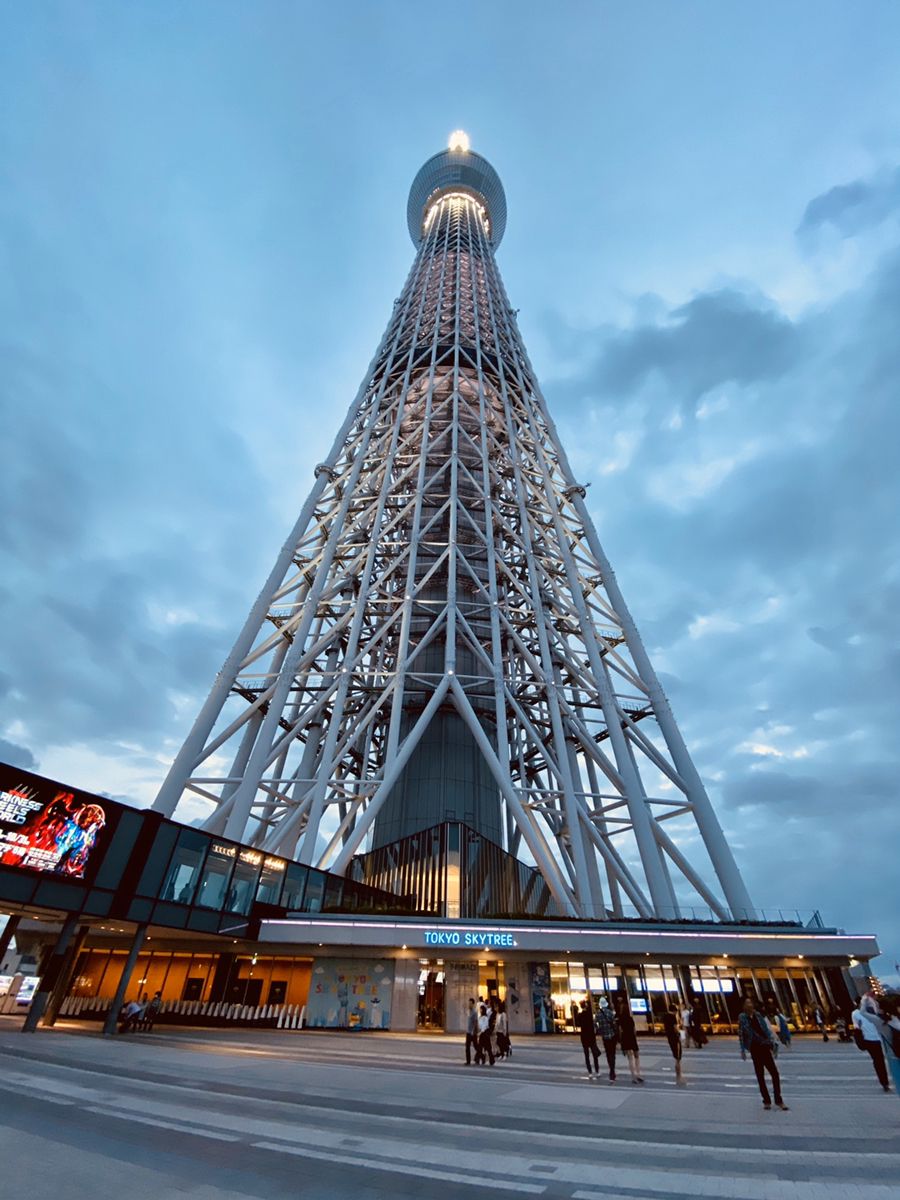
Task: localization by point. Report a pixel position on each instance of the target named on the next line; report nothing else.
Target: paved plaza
(219, 1115)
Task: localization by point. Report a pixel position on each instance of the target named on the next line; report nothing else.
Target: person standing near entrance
(755, 1035)
(628, 1041)
(584, 1020)
(608, 1029)
(485, 1050)
(868, 1026)
(471, 1031)
(671, 1023)
(819, 1018)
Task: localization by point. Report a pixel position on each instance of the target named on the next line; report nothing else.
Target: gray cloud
(716, 338)
(853, 207)
(757, 542)
(17, 756)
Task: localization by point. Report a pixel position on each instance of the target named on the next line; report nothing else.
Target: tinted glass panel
(116, 858)
(139, 910)
(334, 887)
(171, 914)
(271, 880)
(184, 868)
(157, 861)
(60, 895)
(294, 887)
(243, 883)
(315, 891)
(98, 903)
(217, 875)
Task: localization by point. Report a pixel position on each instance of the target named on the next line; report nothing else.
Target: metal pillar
(50, 974)
(112, 1017)
(64, 979)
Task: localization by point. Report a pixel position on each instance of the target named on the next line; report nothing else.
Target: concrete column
(67, 970)
(53, 965)
(405, 999)
(109, 1025)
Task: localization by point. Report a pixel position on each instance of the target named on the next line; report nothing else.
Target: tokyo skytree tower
(442, 637)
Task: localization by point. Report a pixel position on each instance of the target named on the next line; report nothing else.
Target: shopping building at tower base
(109, 902)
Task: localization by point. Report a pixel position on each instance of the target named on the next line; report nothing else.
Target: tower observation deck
(442, 639)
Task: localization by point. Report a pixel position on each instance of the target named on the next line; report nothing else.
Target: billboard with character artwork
(45, 827)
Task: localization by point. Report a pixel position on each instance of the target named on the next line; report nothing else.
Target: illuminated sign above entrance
(468, 937)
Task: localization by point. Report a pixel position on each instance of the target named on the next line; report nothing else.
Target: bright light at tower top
(459, 141)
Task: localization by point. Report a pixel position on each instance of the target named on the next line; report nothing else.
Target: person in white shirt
(867, 1019)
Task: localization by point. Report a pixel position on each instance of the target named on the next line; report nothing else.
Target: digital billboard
(47, 827)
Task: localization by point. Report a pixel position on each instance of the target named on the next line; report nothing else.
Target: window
(271, 880)
(294, 885)
(315, 889)
(216, 875)
(184, 869)
(243, 884)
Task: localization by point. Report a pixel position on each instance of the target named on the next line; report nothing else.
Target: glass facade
(558, 988)
(452, 871)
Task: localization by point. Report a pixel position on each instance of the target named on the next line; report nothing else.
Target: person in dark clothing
(671, 1023)
(588, 1034)
(628, 1040)
(471, 1031)
(485, 1050)
(695, 1028)
(755, 1035)
(608, 1029)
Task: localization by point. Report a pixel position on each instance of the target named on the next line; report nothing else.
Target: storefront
(525, 966)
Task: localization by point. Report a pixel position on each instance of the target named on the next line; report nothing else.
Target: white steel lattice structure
(442, 620)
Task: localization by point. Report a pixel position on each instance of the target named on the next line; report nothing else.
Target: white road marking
(478, 1181)
(193, 1130)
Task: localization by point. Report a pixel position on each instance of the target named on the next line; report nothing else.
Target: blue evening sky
(202, 230)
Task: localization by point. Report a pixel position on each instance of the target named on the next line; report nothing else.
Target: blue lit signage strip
(467, 937)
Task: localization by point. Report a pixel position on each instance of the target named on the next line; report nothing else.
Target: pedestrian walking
(819, 1018)
(685, 1012)
(671, 1023)
(778, 1023)
(891, 1009)
(755, 1035)
(471, 1031)
(151, 1012)
(485, 1049)
(628, 1041)
(502, 1031)
(695, 1026)
(608, 1029)
(588, 1034)
(869, 1026)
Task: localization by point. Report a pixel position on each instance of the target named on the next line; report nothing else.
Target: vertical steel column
(112, 1017)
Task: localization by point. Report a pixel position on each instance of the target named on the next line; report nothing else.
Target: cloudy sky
(202, 230)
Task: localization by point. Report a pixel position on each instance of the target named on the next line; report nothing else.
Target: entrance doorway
(430, 1016)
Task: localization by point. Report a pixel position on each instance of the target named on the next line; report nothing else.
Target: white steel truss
(445, 560)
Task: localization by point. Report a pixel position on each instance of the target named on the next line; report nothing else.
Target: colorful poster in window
(350, 994)
(541, 1003)
(45, 827)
